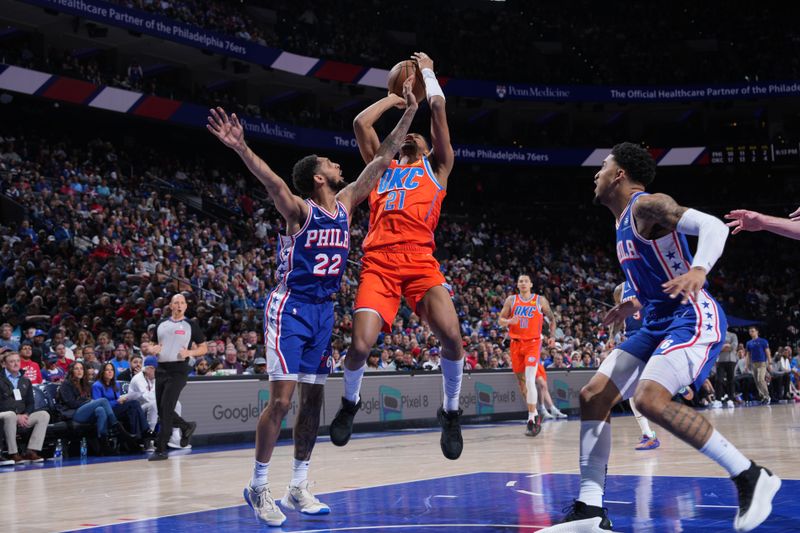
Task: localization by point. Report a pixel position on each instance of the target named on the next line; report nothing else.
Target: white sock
(451, 381)
(644, 424)
(260, 475)
(299, 472)
(352, 383)
(595, 450)
(725, 454)
(531, 416)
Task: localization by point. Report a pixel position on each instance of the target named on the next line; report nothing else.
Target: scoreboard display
(741, 154)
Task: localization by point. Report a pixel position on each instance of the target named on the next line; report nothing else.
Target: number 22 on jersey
(327, 265)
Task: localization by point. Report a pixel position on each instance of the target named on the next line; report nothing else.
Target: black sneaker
(186, 435)
(579, 511)
(529, 428)
(451, 441)
(537, 424)
(342, 425)
(756, 487)
(158, 456)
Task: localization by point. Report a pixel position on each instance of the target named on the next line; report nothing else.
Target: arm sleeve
(711, 235)
(628, 293)
(198, 337)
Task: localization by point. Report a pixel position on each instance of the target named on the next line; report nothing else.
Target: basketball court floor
(400, 481)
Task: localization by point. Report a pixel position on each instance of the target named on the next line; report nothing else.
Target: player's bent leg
(367, 325)
(547, 402)
(298, 496)
(437, 309)
(755, 484)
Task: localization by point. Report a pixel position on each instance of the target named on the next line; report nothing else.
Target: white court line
(414, 526)
(529, 493)
(120, 522)
(719, 506)
(617, 501)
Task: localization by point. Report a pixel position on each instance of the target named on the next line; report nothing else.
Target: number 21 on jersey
(395, 200)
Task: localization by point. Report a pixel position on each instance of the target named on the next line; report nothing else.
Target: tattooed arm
(357, 192)
(658, 214)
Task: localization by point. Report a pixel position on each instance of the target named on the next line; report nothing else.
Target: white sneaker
(264, 506)
(300, 499)
(546, 414)
(716, 404)
(556, 413)
(729, 403)
(757, 487)
(177, 446)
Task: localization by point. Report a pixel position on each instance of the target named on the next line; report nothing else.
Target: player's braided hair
(303, 174)
(636, 161)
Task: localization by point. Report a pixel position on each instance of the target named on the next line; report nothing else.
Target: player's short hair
(636, 161)
(303, 174)
(526, 275)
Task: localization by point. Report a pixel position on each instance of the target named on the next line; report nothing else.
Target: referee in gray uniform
(176, 335)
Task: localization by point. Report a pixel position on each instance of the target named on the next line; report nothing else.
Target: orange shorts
(385, 276)
(525, 353)
(540, 372)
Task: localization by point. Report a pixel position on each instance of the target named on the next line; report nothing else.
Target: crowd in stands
(518, 41)
(101, 250)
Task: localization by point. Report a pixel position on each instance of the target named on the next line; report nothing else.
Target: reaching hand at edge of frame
(227, 129)
(745, 220)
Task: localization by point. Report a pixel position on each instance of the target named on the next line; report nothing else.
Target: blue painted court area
(502, 502)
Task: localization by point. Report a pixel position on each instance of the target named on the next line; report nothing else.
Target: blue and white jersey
(312, 261)
(650, 263)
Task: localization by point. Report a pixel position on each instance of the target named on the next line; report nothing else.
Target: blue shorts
(691, 339)
(297, 334)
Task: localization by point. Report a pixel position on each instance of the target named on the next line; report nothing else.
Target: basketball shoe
(534, 427)
(451, 441)
(264, 506)
(757, 487)
(582, 518)
(556, 413)
(342, 424)
(648, 443)
(299, 498)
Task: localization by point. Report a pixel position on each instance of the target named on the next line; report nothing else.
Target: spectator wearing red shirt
(29, 368)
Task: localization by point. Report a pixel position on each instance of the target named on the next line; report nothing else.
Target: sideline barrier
(227, 408)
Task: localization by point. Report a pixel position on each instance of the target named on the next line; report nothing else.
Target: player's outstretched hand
(408, 92)
(423, 60)
(686, 285)
(795, 216)
(744, 220)
(617, 314)
(227, 130)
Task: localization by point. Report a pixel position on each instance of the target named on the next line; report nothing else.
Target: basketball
(399, 73)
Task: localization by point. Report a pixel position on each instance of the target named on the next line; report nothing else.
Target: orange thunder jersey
(404, 209)
(530, 319)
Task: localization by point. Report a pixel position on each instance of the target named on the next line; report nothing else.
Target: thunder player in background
(298, 319)
(631, 325)
(523, 314)
(398, 258)
(677, 345)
